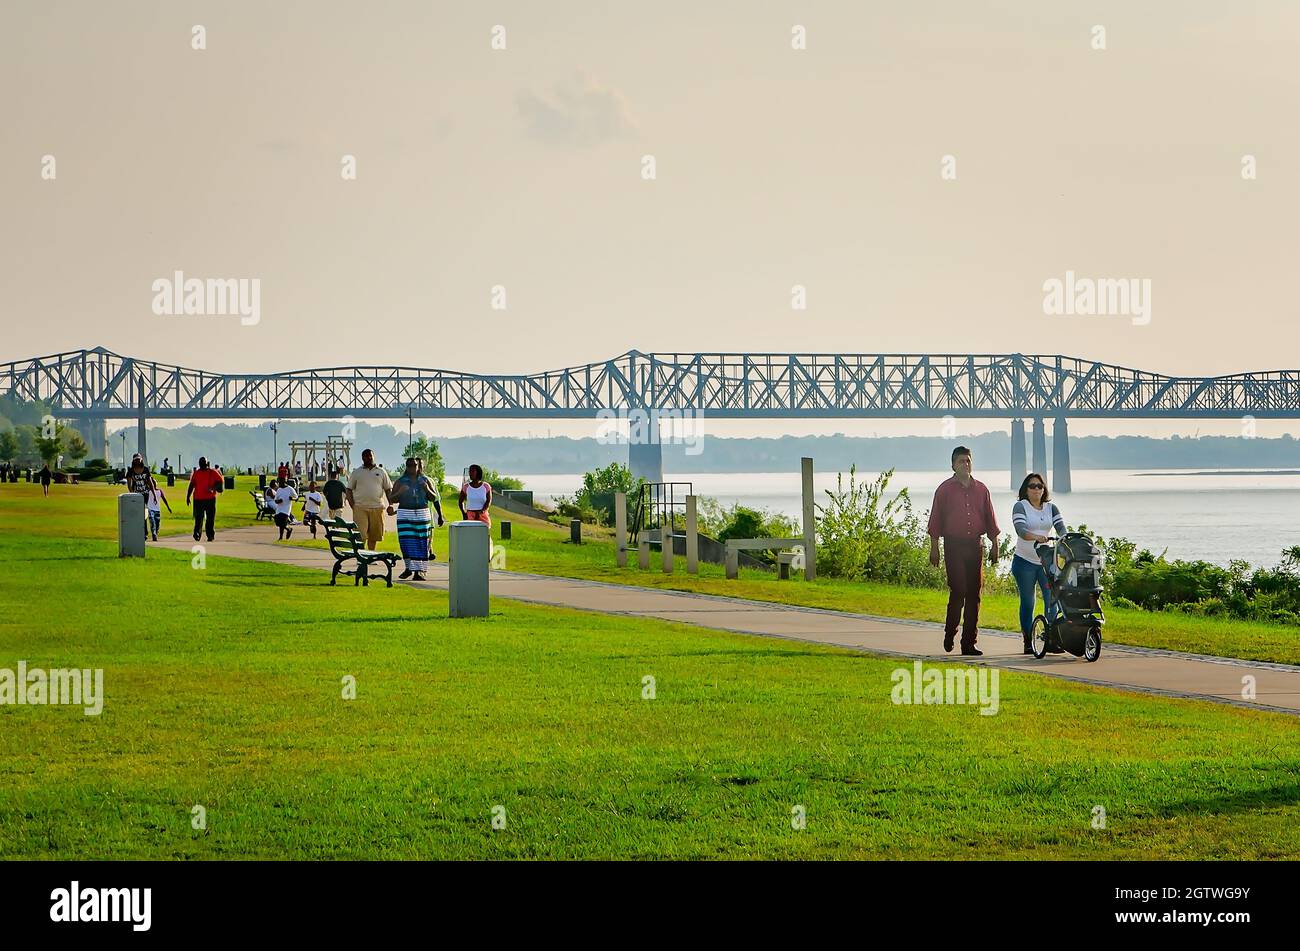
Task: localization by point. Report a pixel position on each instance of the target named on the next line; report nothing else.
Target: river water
(1213, 515)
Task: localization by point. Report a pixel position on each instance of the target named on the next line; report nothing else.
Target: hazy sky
(775, 167)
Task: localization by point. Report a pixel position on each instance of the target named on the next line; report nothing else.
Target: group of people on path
(962, 514)
(371, 494)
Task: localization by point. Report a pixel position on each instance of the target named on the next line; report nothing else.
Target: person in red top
(962, 512)
(205, 485)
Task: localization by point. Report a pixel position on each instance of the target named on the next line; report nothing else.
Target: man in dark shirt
(333, 491)
(962, 512)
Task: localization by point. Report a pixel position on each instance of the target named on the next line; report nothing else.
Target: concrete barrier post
(468, 545)
(733, 563)
(643, 550)
(692, 538)
(130, 525)
(666, 548)
(809, 522)
(620, 529)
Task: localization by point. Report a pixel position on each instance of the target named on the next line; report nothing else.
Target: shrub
(862, 536)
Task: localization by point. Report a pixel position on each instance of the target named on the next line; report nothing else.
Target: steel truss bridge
(97, 385)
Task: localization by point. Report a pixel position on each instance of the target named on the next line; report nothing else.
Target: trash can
(261, 480)
(505, 530)
(130, 525)
(230, 482)
(171, 480)
(575, 531)
(468, 545)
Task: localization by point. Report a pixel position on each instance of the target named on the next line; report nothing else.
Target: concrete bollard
(575, 531)
(692, 537)
(666, 549)
(505, 530)
(468, 545)
(130, 525)
(620, 529)
(643, 550)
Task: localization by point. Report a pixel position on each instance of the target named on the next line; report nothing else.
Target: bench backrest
(344, 537)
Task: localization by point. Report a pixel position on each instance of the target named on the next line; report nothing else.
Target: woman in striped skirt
(413, 493)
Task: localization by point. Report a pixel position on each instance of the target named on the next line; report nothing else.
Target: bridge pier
(646, 458)
(96, 433)
(1017, 454)
(1060, 456)
(1040, 448)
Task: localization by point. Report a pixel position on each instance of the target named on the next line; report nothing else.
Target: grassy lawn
(223, 690)
(540, 547)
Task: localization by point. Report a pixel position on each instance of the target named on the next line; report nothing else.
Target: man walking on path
(205, 485)
(367, 493)
(333, 491)
(961, 513)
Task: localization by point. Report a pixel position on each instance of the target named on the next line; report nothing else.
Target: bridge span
(95, 385)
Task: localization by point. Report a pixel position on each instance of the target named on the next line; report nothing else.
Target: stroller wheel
(1092, 645)
(1038, 637)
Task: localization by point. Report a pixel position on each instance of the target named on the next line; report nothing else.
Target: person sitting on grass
(283, 501)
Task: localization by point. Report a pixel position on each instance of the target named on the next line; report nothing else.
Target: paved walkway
(1127, 668)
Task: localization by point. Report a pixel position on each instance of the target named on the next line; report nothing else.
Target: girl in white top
(476, 497)
(1033, 518)
(155, 501)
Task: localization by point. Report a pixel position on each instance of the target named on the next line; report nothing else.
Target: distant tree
(499, 481)
(434, 466)
(75, 447)
(8, 445)
(50, 447)
(27, 436)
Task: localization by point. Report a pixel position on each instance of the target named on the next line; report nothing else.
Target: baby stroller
(1072, 620)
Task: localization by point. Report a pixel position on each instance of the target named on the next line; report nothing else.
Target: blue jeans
(1027, 574)
(155, 519)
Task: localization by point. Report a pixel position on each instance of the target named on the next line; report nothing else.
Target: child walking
(155, 500)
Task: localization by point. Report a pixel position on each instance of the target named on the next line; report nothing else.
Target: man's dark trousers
(963, 561)
(205, 510)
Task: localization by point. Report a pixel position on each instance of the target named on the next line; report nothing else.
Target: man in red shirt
(962, 512)
(205, 485)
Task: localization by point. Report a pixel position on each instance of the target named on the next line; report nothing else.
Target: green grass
(223, 689)
(542, 548)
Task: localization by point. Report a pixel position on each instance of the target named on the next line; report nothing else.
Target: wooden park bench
(346, 542)
(735, 545)
(264, 508)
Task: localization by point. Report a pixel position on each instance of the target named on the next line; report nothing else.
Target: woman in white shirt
(476, 497)
(1033, 518)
